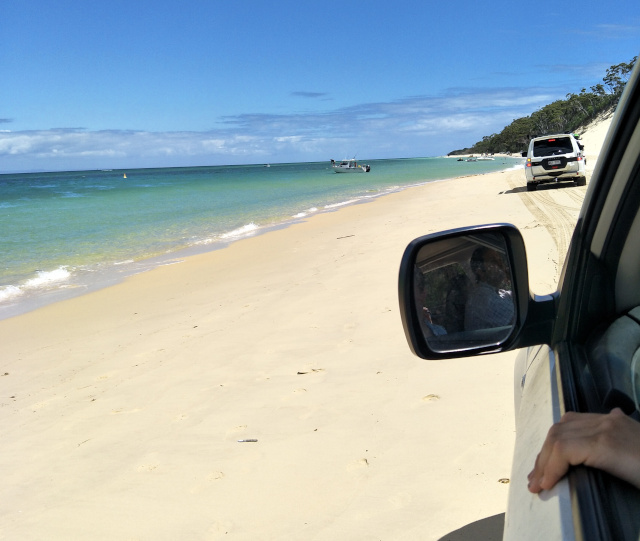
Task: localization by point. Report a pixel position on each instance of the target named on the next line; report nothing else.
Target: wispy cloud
(416, 126)
(311, 95)
(607, 31)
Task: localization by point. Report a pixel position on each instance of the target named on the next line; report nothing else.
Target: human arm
(610, 442)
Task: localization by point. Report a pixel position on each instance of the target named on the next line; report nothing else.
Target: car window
(551, 147)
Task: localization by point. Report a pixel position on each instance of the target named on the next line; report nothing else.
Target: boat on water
(349, 166)
(483, 158)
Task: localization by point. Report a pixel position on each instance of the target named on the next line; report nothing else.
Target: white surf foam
(8, 293)
(48, 278)
(244, 231)
(43, 280)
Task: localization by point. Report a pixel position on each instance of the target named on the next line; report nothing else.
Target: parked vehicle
(580, 344)
(553, 158)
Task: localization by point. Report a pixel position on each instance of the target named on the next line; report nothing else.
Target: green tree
(561, 116)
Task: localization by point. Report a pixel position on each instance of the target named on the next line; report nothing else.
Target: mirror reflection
(463, 291)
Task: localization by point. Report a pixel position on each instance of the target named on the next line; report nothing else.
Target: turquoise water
(67, 232)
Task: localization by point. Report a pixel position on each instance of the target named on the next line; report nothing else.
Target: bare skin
(610, 442)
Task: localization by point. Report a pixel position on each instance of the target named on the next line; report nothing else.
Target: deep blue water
(62, 233)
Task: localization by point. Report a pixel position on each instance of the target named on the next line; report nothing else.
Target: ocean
(66, 233)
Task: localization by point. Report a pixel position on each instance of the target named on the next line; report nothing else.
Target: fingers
(610, 442)
(552, 463)
(568, 443)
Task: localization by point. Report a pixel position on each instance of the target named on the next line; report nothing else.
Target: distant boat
(486, 158)
(349, 166)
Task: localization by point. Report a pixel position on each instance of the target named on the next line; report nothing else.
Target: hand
(610, 442)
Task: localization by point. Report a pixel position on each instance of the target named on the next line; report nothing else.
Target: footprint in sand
(119, 411)
(215, 476)
(147, 467)
(310, 371)
(430, 397)
(358, 464)
(201, 486)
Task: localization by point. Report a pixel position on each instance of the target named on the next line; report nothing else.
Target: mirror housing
(446, 288)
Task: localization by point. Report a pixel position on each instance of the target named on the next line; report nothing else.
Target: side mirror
(524, 153)
(464, 292)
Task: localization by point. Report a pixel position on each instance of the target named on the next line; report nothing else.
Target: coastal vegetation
(562, 116)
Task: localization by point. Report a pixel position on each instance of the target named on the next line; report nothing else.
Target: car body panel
(538, 402)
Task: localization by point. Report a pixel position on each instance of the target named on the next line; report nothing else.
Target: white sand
(122, 409)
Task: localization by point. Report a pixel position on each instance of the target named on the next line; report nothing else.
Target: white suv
(553, 158)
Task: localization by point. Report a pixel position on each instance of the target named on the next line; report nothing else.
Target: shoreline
(91, 280)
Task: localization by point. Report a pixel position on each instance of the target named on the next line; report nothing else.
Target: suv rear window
(550, 147)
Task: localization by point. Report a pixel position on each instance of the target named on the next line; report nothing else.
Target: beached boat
(349, 166)
(483, 158)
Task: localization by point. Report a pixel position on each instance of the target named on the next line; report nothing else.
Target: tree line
(561, 116)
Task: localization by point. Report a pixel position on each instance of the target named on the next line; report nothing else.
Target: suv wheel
(531, 186)
(581, 181)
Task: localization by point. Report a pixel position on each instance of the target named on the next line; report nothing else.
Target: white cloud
(415, 126)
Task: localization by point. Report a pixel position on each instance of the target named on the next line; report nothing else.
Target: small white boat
(485, 158)
(349, 166)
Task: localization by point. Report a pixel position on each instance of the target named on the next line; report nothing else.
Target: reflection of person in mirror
(436, 330)
(490, 303)
(429, 328)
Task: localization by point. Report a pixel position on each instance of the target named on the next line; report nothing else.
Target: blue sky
(131, 83)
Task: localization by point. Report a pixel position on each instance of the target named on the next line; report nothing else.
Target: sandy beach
(266, 390)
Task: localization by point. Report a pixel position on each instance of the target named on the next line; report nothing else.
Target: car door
(597, 329)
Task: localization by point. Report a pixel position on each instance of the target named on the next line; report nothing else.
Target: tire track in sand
(556, 208)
